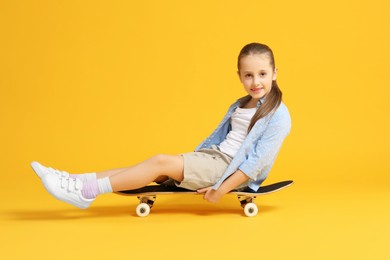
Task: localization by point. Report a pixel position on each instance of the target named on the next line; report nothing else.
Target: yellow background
(95, 85)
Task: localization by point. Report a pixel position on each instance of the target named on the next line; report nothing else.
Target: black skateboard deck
(148, 194)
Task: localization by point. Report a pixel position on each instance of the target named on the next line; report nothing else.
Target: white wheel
(250, 209)
(142, 210)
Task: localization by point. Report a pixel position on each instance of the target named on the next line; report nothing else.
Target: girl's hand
(210, 195)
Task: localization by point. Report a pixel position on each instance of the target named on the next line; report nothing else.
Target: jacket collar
(261, 101)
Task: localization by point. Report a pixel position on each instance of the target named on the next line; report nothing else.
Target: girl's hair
(274, 97)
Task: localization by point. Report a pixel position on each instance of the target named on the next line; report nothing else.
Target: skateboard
(148, 194)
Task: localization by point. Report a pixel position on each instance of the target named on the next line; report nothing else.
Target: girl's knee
(168, 162)
(169, 165)
(161, 158)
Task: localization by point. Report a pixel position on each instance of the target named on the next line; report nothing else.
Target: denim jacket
(258, 151)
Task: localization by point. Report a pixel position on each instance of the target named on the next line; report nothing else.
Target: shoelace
(59, 173)
(71, 184)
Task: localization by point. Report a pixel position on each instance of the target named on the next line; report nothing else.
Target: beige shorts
(203, 168)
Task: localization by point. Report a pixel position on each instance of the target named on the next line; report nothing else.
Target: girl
(239, 153)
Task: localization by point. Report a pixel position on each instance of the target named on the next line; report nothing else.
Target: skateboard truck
(247, 203)
(145, 204)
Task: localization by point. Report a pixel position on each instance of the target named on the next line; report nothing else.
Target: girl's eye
(248, 75)
(263, 74)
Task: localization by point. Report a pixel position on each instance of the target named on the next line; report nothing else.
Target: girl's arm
(229, 184)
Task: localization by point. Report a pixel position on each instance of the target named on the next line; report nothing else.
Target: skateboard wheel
(143, 210)
(250, 209)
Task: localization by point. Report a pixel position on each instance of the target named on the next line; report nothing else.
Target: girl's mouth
(256, 89)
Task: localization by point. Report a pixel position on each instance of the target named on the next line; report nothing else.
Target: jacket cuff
(249, 170)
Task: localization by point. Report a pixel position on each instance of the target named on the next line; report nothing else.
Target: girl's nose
(257, 81)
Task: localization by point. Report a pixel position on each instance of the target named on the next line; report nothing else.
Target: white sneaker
(66, 189)
(41, 170)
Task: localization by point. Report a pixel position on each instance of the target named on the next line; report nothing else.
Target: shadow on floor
(196, 209)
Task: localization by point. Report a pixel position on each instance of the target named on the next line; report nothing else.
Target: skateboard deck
(148, 194)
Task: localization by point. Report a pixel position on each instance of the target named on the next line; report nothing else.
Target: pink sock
(84, 177)
(90, 189)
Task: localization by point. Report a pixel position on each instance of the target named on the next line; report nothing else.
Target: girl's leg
(112, 172)
(140, 175)
(109, 173)
(148, 171)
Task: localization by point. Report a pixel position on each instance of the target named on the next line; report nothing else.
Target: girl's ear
(275, 74)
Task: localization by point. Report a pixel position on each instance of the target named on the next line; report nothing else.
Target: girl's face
(256, 74)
